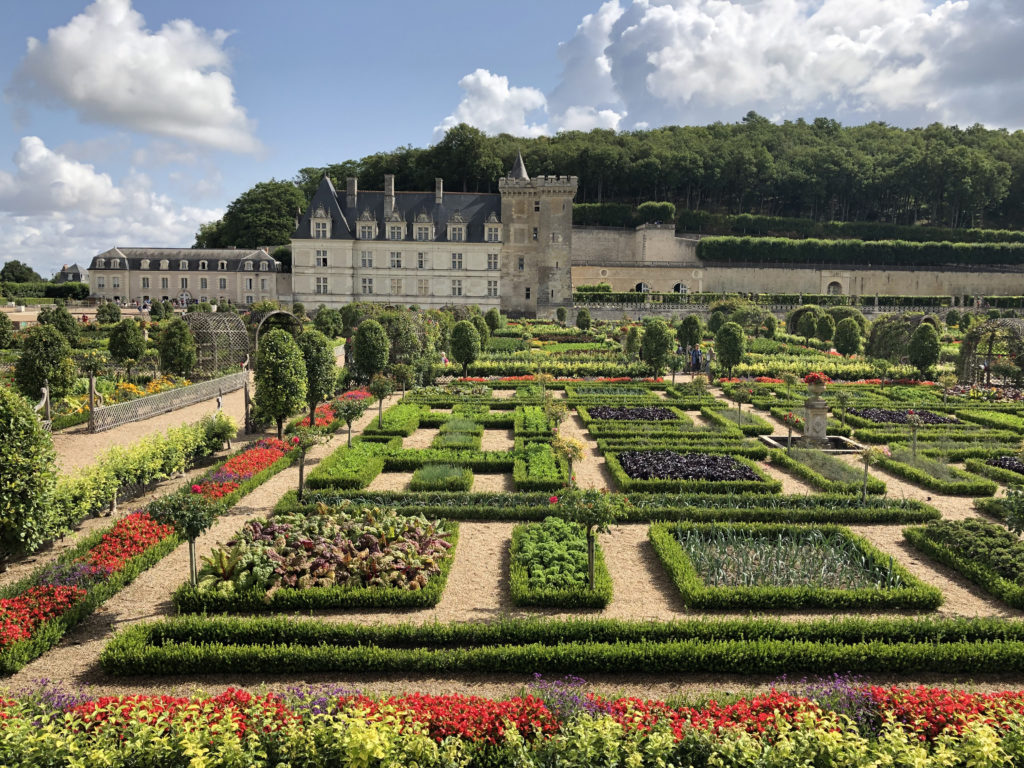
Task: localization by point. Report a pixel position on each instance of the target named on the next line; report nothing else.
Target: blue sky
(132, 122)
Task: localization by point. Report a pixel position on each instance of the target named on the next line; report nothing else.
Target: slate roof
(131, 258)
(475, 208)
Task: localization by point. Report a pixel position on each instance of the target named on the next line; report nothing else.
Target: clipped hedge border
(971, 485)
(980, 435)
(682, 419)
(1003, 589)
(723, 419)
(916, 595)
(523, 595)
(354, 467)
(188, 599)
(1000, 475)
(756, 451)
(991, 507)
(199, 645)
(993, 419)
(400, 420)
(461, 481)
(628, 484)
(817, 480)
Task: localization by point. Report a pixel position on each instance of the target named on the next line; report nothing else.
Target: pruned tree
(321, 369)
(280, 377)
(465, 344)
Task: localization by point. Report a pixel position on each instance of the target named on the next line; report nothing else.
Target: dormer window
(144, 264)
(321, 223)
(457, 227)
(222, 265)
(492, 234)
(320, 230)
(202, 265)
(248, 266)
(424, 227)
(395, 232)
(165, 264)
(115, 263)
(101, 263)
(367, 225)
(183, 264)
(422, 233)
(264, 266)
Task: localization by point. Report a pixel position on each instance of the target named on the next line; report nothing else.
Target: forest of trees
(940, 175)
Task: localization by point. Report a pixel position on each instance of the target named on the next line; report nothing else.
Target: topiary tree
(280, 377)
(825, 328)
(847, 338)
(770, 325)
(350, 409)
(321, 369)
(570, 450)
(127, 343)
(632, 342)
(404, 375)
(730, 344)
(560, 315)
(807, 326)
(966, 320)
(6, 331)
(371, 349)
(381, 387)
(57, 315)
(177, 348)
(583, 319)
(465, 344)
(304, 439)
(494, 319)
(108, 313)
(45, 356)
(191, 514)
(481, 327)
(156, 311)
(691, 331)
(329, 323)
(953, 318)
(28, 516)
(299, 310)
(716, 321)
(924, 349)
(592, 510)
(656, 345)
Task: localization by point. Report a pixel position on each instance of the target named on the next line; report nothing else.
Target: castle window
(456, 261)
(527, 294)
(101, 283)
(536, 206)
(223, 283)
(834, 289)
(144, 264)
(101, 263)
(203, 265)
(366, 232)
(492, 288)
(248, 266)
(421, 260)
(115, 263)
(183, 264)
(458, 234)
(320, 230)
(522, 263)
(680, 288)
(456, 287)
(163, 283)
(184, 283)
(145, 282)
(115, 282)
(264, 266)
(534, 233)
(395, 233)
(263, 283)
(321, 285)
(492, 261)
(423, 287)
(321, 258)
(492, 234)
(222, 265)
(642, 288)
(397, 289)
(366, 259)
(422, 233)
(248, 299)
(367, 285)
(203, 284)
(396, 259)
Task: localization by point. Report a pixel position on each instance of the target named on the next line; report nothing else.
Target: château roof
(519, 168)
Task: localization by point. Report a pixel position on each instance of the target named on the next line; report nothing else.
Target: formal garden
(745, 540)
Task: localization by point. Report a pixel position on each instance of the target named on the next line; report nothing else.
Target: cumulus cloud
(107, 66)
(493, 106)
(54, 209)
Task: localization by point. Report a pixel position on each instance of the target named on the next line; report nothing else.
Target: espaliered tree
(730, 344)
(656, 345)
(321, 369)
(127, 343)
(465, 344)
(280, 377)
(371, 349)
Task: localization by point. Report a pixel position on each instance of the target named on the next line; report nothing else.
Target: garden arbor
(221, 340)
(995, 347)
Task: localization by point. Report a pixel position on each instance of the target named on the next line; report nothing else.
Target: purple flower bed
(888, 416)
(645, 413)
(1012, 463)
(669, 465)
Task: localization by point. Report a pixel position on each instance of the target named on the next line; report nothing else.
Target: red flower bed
(468, 717)
(324, 416)
(130, 536)
(20, 615)
(355, 394)
(256, 459)
(929, 711)
(234, 706)
(213, 489)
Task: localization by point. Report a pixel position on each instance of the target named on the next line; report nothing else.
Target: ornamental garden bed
(725, 566)
(441, 477)
(825, 472)
(664, 470)
(344, 557)
(632, 413)
(865, 416)
(1003, 469)
(933, 474)
(549, 567)
(984, 552)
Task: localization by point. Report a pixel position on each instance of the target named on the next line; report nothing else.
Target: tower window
(536, 206)
(527, 294)
(321, 258)
(534, 233)
(456, 261)
(320, 230)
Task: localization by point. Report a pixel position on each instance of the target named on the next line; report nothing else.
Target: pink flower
(295, 441)
(197, 488)
(553, 499)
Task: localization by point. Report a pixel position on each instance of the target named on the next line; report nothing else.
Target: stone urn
(817, 389)
(816, 411)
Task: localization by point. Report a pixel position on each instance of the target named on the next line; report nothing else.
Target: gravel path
(497, 440)
(592, 471)
(421, 438)
(77, 448)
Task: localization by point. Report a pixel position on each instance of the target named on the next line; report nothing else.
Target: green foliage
(15, 271)
(656, 344)
(482, 328)
(401, 419)
(191, 514)
(406, 346)
(548, 567)
(583, 319)
(6, 331)
(108, 313)
(298, 309)
(177, 348)
(371, 349)
(953, 318)
(650, 211)
(127, 341)
(537, 469)
(770, 326)
(347, 467)
(716, 321)
(465, 344)
(321, 368)
(691, 331)
(441, 477)
(262, 215)
(825, 328)
(924, 348)
(328, 321)
(730, 344)
(45, 356)
(560, 315)
(807, 326)
(28, 517)
(729, 566)
(280, 377)
(631, 344)
(847, 337)
(935, 475)
(496, 320)
(824, 472)
(57, 316)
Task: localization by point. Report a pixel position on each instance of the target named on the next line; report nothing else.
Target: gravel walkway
(77, 448)
(592, 471)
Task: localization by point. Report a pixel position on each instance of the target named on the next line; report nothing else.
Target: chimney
(351, 192)
(438, 190)
(389, 192)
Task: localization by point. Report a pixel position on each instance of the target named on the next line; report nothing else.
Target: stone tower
(536, 217)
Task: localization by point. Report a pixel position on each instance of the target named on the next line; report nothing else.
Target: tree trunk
(280, 429)
(312, 415)
(380, 413)
(192, 561)
(591, 556)
(348, 441)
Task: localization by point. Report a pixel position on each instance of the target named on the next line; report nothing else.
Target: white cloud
(107, 66)
(493, 106)
(586, 118)
(54, 210)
